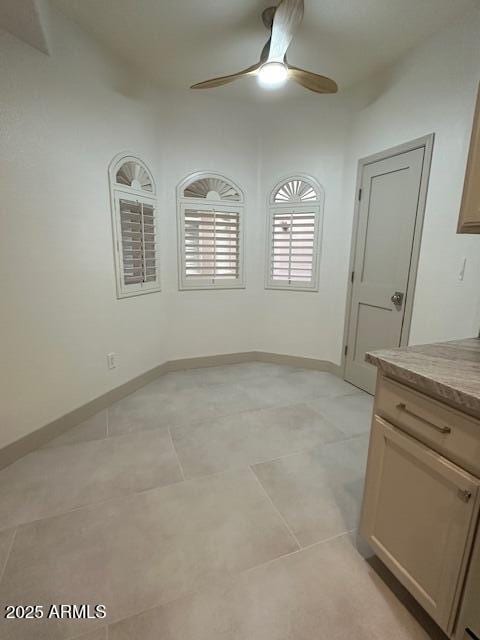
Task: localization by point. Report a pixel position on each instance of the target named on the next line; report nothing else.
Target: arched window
(294, 234)
(210, 232)
(135, 228)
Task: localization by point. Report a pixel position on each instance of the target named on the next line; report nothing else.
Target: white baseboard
(44, 434)
(299, 361)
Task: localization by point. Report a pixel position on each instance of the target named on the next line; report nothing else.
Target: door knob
(397, 298)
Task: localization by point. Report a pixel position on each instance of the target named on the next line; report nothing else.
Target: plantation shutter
(293, 246)
(211, 244)
(139, 242)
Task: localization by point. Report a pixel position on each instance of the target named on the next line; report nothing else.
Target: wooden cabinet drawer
(450, 432)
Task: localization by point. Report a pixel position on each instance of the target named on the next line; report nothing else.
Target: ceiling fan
(273, 70)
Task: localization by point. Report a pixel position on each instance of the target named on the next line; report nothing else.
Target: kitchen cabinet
(469, 221)
(422, 495)
(418, 516)
(470, 611)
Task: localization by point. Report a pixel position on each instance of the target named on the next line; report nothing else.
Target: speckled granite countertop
(449, 371)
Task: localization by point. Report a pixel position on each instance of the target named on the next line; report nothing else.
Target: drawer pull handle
(403, 407)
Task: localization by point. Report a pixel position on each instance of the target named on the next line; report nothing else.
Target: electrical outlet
(112, 360)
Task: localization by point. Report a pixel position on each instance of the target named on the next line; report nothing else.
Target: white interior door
(388, 210)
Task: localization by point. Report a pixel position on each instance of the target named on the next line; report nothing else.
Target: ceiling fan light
(272, 75)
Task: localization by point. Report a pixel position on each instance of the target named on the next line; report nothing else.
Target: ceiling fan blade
(288, 16)
(312, 81)
(218, 82)
(267, 17)
(265, 52)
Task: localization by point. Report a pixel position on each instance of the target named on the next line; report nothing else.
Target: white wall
(433, 89)
(64, 117)
(311, 139)
(198, 132)
(61, 123)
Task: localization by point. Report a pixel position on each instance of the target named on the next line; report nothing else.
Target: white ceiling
(179, 42)
(22, 18)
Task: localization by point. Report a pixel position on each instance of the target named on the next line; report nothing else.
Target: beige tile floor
(216, 503)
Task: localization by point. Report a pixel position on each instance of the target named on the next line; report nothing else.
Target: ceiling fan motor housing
(272, 70)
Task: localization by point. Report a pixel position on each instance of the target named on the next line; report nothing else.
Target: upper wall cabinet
(469, 221)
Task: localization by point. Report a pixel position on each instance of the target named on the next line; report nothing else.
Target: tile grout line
(298, 551)
(109, 436)
(7, 557)
(250, 466)
(261, 407)
(299, 452)
(92, 505)
(194, 478)
(234, 576)
(204, 386)
(329, 539)
(219, 416)
(199, 589)
(126, 496)
(287, 526)
(176, 454)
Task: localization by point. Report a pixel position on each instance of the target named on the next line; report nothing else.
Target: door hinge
(346, 349)
(360, 191)
(353, 276)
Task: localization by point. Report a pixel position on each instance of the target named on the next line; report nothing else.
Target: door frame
(427, 143)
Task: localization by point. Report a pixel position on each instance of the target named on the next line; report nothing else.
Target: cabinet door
(418, 515)
(470, 612)
(469, 221)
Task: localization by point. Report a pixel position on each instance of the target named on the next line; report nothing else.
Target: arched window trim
(205, 175)
(144, 202)
(312, 182)
(315, 209)
(118, 161)
(229, 207)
